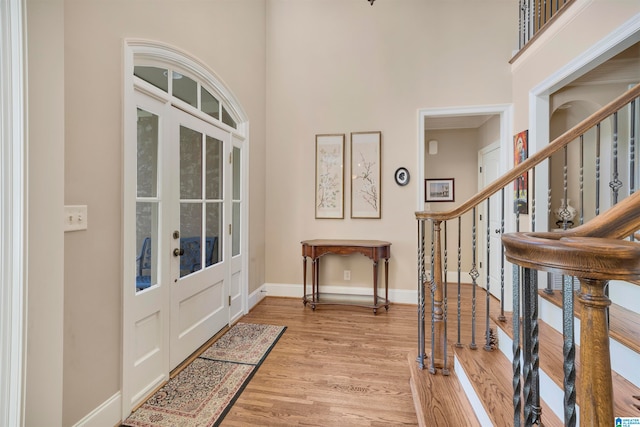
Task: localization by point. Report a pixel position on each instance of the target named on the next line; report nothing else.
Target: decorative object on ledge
(330, 176)
(365, 174)
(521, 185)
(439, 190)
(402, 176)
(565, 214)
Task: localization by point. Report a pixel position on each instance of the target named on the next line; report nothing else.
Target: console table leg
(386, 283)
(375, 286)
(304, 280)
(314, 268)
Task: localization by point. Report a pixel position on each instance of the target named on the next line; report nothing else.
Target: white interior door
(489, 160)
(200, 286)
(179, 297)
(236, 285)
(145, 347)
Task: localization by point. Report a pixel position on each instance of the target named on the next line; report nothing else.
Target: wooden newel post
(595, 371)
(437, 355)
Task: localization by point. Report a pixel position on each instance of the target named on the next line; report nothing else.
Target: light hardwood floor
(335, 366)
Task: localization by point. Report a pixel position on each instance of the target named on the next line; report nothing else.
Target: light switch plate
(75, 218)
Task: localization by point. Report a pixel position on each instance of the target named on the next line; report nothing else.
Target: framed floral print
(365, 174)
(330, 176)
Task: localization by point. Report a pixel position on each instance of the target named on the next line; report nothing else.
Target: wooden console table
(373, 249)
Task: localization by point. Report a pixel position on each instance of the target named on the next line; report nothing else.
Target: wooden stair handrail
(595, 254)
(537, 158)
(619, 222)
(582, 257)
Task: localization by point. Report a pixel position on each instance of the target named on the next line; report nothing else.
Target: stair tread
(552, 363)
(490, 375)
(624, 324)
(439, 400)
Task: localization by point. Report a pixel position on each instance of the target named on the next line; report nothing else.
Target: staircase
(458, 381)
(479, 390)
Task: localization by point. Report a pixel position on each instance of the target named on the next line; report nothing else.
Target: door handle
(178, 252)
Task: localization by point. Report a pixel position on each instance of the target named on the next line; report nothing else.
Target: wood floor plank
(333, 366)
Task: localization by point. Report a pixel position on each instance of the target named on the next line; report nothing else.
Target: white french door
(490, 165)
(237, 258)
(200, 286)
(186, 196)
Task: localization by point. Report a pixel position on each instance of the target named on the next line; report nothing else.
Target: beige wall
(227, 36)
(341, 66)
(45, 192)
(324, 66)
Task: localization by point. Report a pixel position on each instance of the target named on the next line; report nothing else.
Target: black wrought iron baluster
(515, 361)
(564, 212)
(520, 25)
(517, 349)
(598, 169)
(581, 179)
(632, 148)
(632, 151)
(539, 17)
(548, 289)
(569, 352)
(615, 183)
(533, 199)
(502, 318)
(487, 333)
(535, 349)
(532, 410)
(432, 365)
(421, 295)
(445, 368)
(473, 273)
(458, 343)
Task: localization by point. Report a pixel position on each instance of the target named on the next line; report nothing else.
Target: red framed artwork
(521, 184)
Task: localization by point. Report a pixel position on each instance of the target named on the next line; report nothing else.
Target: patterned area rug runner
(203, 392)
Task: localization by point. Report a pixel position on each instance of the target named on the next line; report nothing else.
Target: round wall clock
(402, 176)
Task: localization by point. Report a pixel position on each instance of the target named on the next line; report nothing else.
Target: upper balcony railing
(537, 15)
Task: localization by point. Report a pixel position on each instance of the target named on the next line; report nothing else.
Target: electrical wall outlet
(75, 218)
(347, 275)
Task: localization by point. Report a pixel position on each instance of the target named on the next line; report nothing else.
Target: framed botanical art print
(330, 176)
(365, 174)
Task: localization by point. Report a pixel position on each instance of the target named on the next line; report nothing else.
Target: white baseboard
(107, 414)
(399, 296)
(256, 296)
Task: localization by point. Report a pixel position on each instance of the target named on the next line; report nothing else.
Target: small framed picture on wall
(439, 190)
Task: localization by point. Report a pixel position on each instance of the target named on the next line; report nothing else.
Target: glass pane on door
(190, 164)
(191, 203)
(146, 245)
(214, 234)
(235, 245)
(214, 183)
(147, 201)
(190, 238)
(147, 158)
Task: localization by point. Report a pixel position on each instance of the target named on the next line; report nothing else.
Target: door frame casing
(13, 146)
(505, 112)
